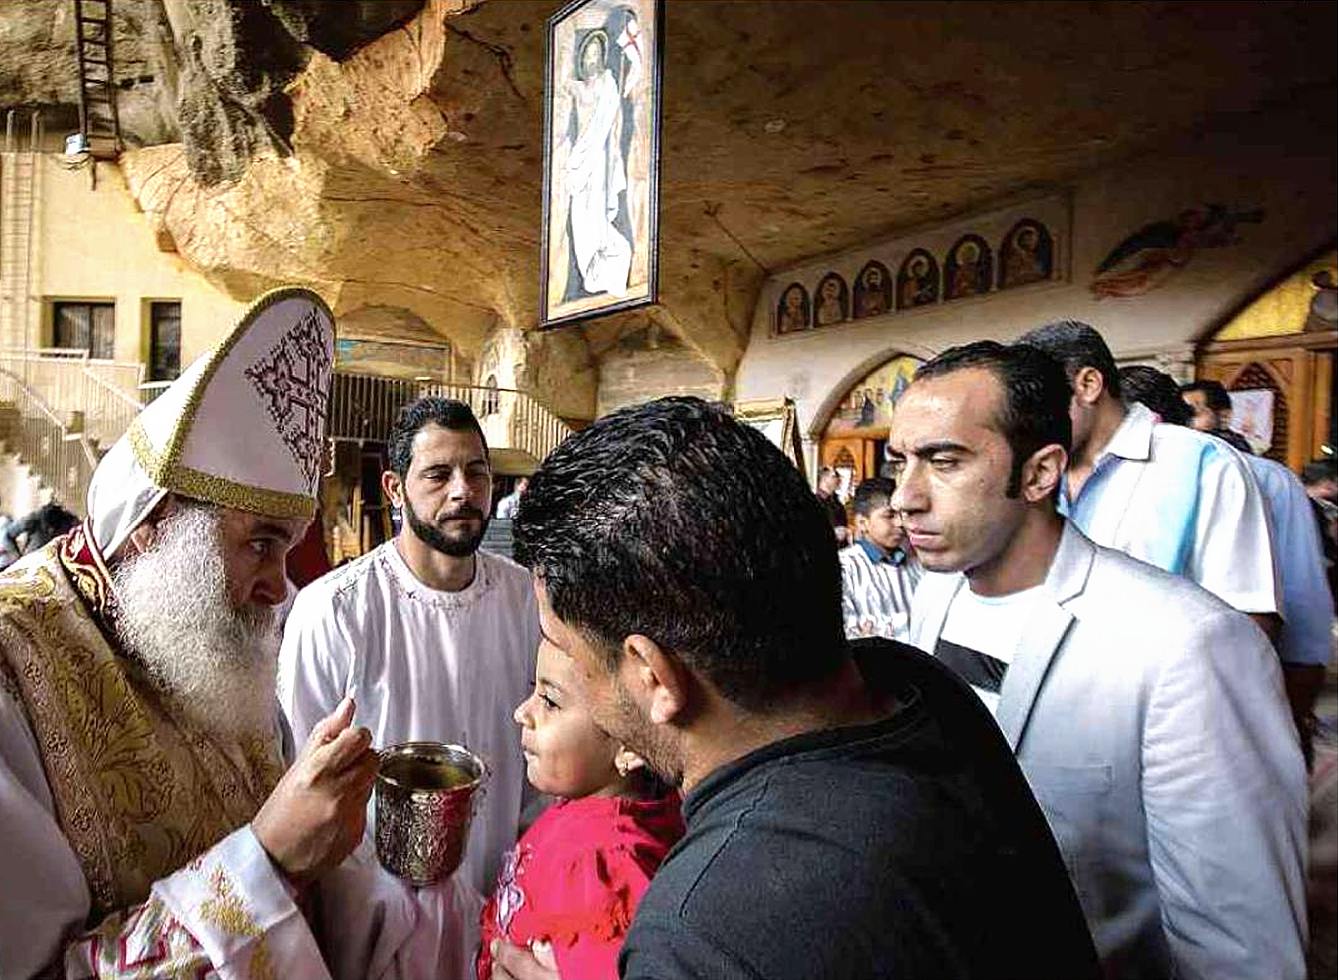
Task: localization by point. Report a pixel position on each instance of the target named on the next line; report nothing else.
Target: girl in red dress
(575, 877)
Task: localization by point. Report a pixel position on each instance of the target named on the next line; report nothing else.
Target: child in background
(575, 877)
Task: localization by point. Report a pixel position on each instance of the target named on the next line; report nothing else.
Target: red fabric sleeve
(601, 889)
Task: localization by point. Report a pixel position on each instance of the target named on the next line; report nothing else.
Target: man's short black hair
(1035, 410)
(1157, 390)
(1319, 470)
(1214, 394)
(873, 494)
(672, 520)
(445, 412)
(1076, 345)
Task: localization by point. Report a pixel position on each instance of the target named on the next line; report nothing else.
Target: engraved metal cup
(421, 831)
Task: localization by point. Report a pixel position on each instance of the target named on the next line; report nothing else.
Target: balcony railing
(64, 459)
(364, 407)
(70, 400)
(92, 395)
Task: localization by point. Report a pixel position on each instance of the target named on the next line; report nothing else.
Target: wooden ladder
(98, 119)
(19, 179)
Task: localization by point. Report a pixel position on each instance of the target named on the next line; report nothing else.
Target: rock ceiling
(403, 170)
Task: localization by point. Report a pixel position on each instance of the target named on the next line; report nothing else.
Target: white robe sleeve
(227, 914)
(314, 662)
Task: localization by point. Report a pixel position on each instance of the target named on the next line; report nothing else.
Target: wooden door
(1298, 369)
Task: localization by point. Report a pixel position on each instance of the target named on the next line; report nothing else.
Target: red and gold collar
(87, 571)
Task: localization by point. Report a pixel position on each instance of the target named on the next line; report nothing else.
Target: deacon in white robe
(423, 663)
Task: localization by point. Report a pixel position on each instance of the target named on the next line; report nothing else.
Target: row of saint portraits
(1026, 255)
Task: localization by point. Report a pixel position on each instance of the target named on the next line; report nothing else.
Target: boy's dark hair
(1214, 394)
(1076, 345)
(1035, 410)
(673, 520)
(1157, 390)
(1319, 470)
(445, 412)
(873, 494)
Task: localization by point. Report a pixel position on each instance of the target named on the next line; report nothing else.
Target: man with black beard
(435, 640)
(149, 827)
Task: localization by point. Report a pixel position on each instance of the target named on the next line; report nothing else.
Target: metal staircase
(98, 119)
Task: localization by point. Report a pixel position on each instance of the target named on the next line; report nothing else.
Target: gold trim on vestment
(226, 911)
(138, 790)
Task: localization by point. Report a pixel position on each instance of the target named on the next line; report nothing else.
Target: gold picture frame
(600, 239)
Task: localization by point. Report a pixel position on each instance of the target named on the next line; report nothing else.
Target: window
(164, 341)
(85, 326)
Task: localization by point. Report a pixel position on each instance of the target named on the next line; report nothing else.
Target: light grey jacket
(1150, 720)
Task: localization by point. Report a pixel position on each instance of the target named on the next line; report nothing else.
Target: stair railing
(364, 407)
(63, 459)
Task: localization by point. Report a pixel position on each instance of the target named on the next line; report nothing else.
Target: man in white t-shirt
(1147, 715)
(1165, 494)
(436, 640)
(508, 505)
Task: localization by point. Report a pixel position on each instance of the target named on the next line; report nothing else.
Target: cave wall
(650, 362)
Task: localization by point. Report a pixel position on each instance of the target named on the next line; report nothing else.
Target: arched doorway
(856, 434)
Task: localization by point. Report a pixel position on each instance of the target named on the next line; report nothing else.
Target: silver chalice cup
(425, 798)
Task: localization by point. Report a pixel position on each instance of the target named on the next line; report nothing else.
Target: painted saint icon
(969, 270)
(873, 290)
(601, 158)
(1027, 254)
(792, 309)
(917, 282)
(831, 301)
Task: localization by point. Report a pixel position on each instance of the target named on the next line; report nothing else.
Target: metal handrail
(62, 459)
(363, 407)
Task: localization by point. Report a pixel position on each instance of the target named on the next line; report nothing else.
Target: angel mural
(1154, 253)
(599, 204)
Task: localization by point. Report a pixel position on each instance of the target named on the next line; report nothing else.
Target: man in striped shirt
(878, 572)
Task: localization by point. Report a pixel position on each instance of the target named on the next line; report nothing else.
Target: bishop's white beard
(214, 663)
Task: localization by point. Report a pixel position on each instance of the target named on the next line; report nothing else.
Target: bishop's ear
(144, 535)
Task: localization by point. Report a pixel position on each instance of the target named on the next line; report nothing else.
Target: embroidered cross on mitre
(293, 381)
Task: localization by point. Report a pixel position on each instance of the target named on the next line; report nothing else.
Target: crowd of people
(1039, 713)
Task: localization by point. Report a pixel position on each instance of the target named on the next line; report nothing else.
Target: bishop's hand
(316, 815)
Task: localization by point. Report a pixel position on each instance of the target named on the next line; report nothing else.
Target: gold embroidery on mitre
(214, 489)
(165, 469)
(176, 441)
(226, 911)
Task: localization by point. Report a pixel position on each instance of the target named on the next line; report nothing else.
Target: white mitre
(243, 427)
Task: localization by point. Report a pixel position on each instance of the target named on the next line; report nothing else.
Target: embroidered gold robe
(154, 813)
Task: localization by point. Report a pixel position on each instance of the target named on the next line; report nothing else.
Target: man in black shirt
(848, 814)
(828, 482)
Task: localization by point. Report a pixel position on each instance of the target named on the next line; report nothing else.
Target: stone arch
(832, 400)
